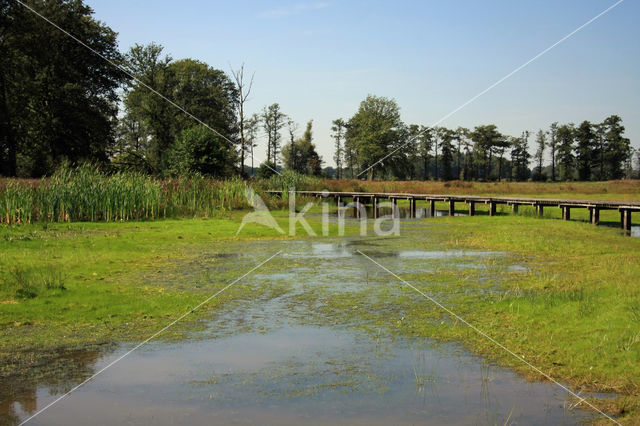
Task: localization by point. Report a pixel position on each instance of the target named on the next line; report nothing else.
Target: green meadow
(575, 313)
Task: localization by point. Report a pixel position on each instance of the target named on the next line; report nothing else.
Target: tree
(520, 156)
(446, 147)
(374, 130)
(553, 147)
(198, 150)
(617, 147)
(565, 135)
(243, 92)
(251, 127)
(486, 138)
(58, 100)
(585, 142)
(203, 91)
(425, 143)
(273, 120)
(338, 128)
(461, 135)
(300, 155)
(541, 142)
(599, 151)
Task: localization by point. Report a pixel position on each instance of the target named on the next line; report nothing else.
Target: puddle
(263, 363)
(305, 374)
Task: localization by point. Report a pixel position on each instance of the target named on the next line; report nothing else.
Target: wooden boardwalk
(360, 199)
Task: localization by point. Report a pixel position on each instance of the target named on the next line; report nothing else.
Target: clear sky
(320, 59)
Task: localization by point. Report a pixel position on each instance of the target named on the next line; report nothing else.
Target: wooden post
(376, 214)
(594, 215)
(452, 208)
(472, 208)
(394, 209)
(356, 206)
(412, 208)
(626, 219)
(539, 209)
(514, 208)
(492, 208)
(566, 213)
(432, 208)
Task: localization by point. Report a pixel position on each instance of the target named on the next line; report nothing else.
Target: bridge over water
(358, 200)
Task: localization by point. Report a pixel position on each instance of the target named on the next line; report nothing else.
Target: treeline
(375, 143)
(143, 111)
(140, 110)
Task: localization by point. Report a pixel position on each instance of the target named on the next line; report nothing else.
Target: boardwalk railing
(594, 206)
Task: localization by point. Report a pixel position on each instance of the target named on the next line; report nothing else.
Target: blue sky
(320, 59)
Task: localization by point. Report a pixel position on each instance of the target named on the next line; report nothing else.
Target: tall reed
(86, 193)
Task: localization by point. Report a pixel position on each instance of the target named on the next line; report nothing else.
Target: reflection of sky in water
(258, 364)
(308, 374)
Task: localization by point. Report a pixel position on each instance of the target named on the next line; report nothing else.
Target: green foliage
(152, 126)
(566, 158)
(374, 131)
(273, 120)
(300, 155)
(266, 170)
(198, 150)
(58, 98)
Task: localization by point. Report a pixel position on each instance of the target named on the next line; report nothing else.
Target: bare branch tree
(244, 90)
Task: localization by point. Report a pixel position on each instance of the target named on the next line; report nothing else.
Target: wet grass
(574, 312)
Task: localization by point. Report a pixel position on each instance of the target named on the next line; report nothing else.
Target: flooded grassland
(320, 333)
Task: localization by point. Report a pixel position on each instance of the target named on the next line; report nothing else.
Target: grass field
(575, 314)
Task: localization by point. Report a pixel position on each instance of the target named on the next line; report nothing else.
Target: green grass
(575, 315)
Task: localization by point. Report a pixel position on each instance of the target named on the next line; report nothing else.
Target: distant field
(611, 190)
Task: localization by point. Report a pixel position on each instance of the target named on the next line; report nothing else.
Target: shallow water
(265, 363)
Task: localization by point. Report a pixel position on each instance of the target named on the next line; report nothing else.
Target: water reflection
(266, 362)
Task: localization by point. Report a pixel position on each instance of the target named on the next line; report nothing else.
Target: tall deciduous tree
(520, 156)
(425, 143)
(58, 100)
(553, 147)
(585, 142)
(566, 157)
(541, 143)
(617, 146)
(273, 121)
(446, 147)
(338, 128)
(243, 92)
(203, 91)
(300, 155)
(374, 130)
(486, 138)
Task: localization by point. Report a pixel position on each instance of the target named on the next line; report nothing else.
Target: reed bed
(86, 193)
